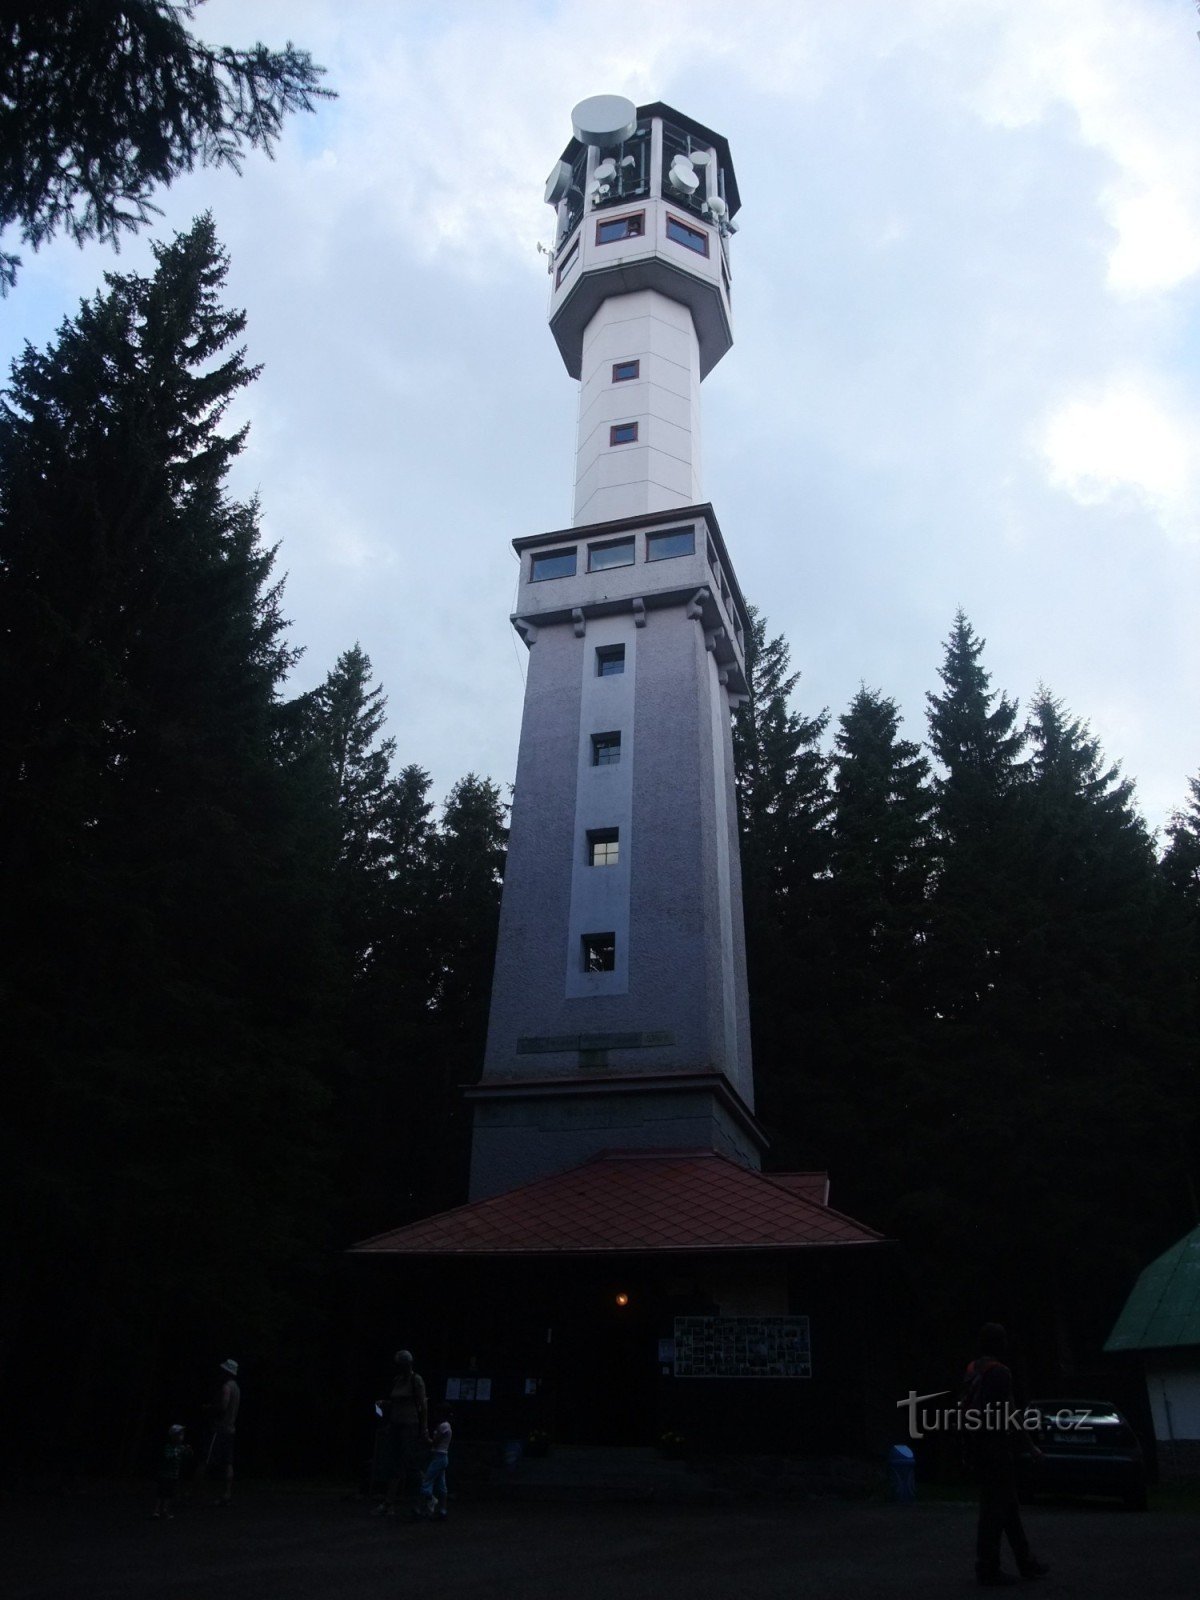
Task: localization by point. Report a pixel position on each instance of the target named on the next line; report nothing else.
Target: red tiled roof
(812, 1185)
(633, 1202)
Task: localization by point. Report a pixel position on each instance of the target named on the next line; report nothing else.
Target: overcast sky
(967, 358)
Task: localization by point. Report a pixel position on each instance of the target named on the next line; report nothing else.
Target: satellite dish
(682, 176)
(717, 206)
(699, 158)
(606, 171)
(606, 120)
(558, 183)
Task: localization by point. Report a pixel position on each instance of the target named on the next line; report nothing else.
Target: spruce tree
(881, 851)
(467, 856)
(346, 718)
(1181, 860)
(165, 995)
(101, 103)
(975, 736)
(1181, 877)
(782, 776)
(860, 1086)
(783, 812)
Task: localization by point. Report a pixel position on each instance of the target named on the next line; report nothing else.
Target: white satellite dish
(682, 176)
(699, 158)
(606, 120)
(606, 172)
(717, 206)
(558, 183)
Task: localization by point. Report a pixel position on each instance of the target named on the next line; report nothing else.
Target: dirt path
(280, 1545)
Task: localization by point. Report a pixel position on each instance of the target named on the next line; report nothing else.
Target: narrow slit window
(603, 847)
(567, 262)
(610, 660)
(625, 371)
(623, 433)
(599, 952)
(606, 749)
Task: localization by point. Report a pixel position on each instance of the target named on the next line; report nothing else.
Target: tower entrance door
(606, 1376)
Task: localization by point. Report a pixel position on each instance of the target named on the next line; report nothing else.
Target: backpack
(974, 1442)
(970, 1396)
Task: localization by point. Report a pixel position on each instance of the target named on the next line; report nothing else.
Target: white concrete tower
(619, 1013)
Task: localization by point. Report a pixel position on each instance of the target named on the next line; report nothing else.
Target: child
(433, 1484)
(175, 1453)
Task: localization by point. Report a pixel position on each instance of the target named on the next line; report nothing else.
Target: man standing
(220, 1448)
(988, 1390)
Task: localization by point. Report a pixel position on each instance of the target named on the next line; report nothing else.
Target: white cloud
(960, 218)
(1127, 72)
(1125, 441)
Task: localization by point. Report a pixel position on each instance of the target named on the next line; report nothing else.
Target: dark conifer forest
(248, 954)
(249, 959)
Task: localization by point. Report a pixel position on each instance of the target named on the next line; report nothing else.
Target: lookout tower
(619, 1013)
(621, 1242)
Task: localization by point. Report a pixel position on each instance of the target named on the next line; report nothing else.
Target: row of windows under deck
(604, 554)
(616, 230)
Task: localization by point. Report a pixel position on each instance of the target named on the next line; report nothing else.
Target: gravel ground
(277, 1544)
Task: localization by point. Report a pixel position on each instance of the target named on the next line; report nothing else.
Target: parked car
(1088, 1448)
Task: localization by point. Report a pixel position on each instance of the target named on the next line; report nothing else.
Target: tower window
(610, 660)
(611, 230)
(623, 371)
(615, 553)
(673, 542)
(599, 952)
(567, 262)
(606, 749)
(552, 564)
(603, 847)
(683, 233)
(623, 433)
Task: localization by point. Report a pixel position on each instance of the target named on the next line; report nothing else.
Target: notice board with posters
(742, 1347)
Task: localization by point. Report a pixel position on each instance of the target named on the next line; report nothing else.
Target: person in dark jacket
(995, 1439)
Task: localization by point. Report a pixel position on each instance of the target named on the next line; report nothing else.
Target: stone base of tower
(524, 1131)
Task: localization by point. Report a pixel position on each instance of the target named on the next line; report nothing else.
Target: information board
(742, 1347)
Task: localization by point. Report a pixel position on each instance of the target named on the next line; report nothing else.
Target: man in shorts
(220, 1448)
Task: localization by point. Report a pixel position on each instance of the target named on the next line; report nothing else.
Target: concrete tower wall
(673, 901)
(661, 469)
(619, 1011)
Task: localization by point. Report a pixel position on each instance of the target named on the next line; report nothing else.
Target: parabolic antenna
(699, 158)
(605, 120)
(682, 176)
(558, 183)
